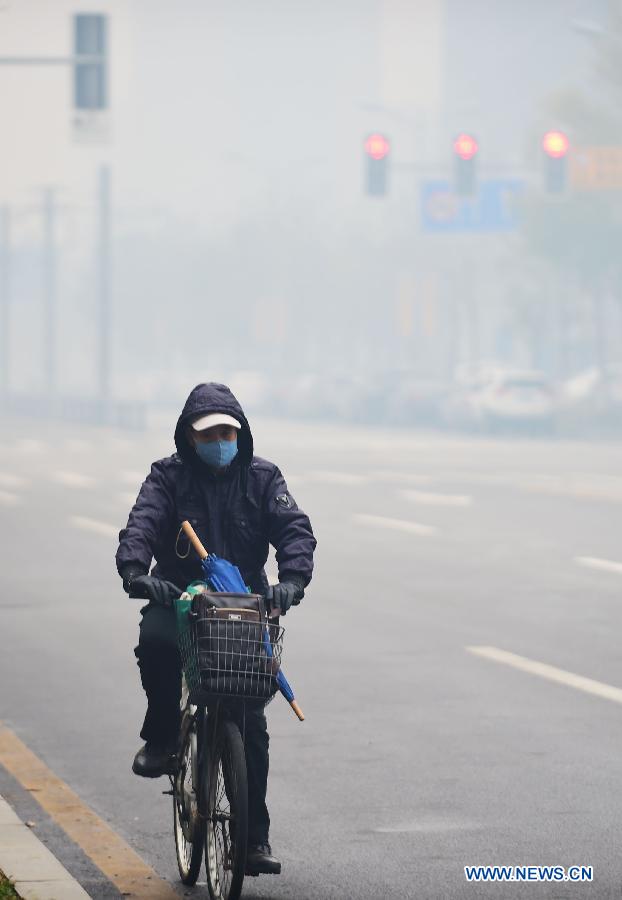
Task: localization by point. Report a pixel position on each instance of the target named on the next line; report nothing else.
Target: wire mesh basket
(230, 652)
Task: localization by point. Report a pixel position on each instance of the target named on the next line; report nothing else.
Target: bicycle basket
(224, 650)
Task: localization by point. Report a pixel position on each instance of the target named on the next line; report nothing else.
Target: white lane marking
(605, 565)
(9, 499)
(395, 524)
(132, 477)
(7, 479)
(77, 445)
(578, 486)
(551, 673)
(293, 480)
(348, 478)
(401, 477)
(29, 445)
(427, 498)
(95, 526)
(73, 479)
(122, 445)
(583, 488)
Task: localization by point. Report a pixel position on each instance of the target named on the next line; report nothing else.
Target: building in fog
(234, 136)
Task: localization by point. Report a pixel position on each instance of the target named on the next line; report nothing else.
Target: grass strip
(7, 891)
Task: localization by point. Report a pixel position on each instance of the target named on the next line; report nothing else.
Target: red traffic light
(555, 144)
(377, 146)
(465, 146)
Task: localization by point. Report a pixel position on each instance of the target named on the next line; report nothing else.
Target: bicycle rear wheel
(226, 814)
(189, 826)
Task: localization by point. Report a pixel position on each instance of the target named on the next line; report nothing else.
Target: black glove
(129, 573)
(285, 594)
(157, 591)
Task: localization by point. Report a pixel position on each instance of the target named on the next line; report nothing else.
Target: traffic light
(90, 84)
(377, 150)
(465, 175)
(555, 145)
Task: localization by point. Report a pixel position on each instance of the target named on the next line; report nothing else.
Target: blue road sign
(493, 208)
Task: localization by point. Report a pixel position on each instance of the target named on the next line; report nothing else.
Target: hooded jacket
(236, 513)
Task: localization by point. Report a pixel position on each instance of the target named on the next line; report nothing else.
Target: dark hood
(213, 398)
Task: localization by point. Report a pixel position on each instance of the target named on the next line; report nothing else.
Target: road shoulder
(33, 869)
(122, 869)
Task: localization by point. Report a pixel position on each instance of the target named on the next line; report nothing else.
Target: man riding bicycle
(238, 504)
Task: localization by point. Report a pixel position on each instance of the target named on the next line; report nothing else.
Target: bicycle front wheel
(226, 814)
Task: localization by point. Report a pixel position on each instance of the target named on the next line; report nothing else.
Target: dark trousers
(160, 673)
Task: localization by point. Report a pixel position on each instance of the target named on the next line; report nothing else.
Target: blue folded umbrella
(281, 681)
(223, 577)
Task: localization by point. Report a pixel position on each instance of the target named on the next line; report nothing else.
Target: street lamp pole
(89, 62)
(5, 281)
(103, 283)
(49, 243)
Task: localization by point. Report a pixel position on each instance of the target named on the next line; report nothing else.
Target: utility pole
(49, 275)
(5, 281)
(103, 284)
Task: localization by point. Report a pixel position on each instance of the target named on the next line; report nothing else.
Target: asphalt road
(419, 755)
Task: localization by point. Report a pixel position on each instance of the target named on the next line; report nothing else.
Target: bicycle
(230, 656)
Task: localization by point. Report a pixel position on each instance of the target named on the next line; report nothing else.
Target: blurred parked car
(493, 399)
(593, 398)
(393, 397)
(414, 402)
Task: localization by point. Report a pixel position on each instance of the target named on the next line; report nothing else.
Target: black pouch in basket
(231, 648)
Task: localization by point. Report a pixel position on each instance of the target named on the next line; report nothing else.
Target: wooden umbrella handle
(297, 710)
(194, 539)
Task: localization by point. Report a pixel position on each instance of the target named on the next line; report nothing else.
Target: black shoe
(153, 760)
(259, 860)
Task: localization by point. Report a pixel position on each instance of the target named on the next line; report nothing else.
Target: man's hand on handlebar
(283, 595)
(146, 587)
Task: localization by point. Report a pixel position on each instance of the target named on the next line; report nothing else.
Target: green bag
(185, 634)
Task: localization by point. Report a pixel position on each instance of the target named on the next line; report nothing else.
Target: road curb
(34, 870)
